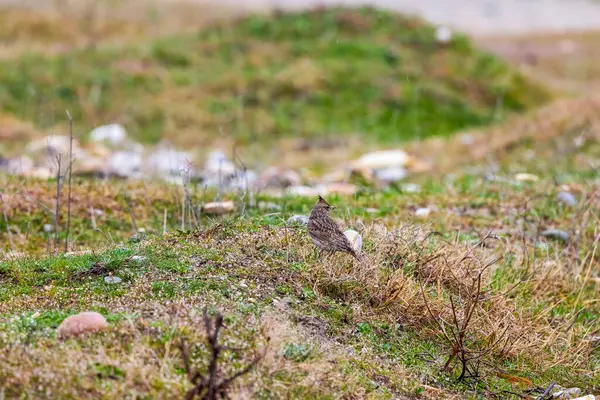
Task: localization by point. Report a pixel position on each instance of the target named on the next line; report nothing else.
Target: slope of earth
(315, 73)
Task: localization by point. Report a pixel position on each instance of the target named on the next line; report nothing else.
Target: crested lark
(325, 233)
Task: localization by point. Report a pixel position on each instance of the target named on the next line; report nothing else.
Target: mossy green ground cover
(323, 72)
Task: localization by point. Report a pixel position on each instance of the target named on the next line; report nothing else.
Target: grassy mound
(327, 71)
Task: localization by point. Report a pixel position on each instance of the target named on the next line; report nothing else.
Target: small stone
(112, 279)
(297, 220)
(355, 239)
(219, 207)
(443, 35)
(570, 393)
(422, 212)
(567, 199)
(138, 258)
(391, 174)
(125, 164)
(22, 165)
(556, 234)
(114, 134)
(264, 205)
(526, 177)
(217, 165)
(411, 188)
(305, 191)
(382, 159)
(82, 323)
(48, 228)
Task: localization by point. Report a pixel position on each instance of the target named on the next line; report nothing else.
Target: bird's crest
(322, 203)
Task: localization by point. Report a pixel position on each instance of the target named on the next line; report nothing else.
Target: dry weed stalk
(10, 239)
(70, 169)
(210, 386)
(57, 200)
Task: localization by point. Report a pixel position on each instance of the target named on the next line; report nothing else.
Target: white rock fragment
(125, 164)
(297, 220)
(523, 177)
(411, 188)
(355, 239)
(112, 279)
(22, 165)
(443, 34)
(113, 134)
(165, 162)
(82, 323)
(382, 159)
(217, 164)
(422, 212)
(391, 174)
(218, 207)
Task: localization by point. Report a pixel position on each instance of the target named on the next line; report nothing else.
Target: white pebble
(355, 239)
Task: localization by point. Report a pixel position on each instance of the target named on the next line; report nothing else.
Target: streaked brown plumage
(325, 233)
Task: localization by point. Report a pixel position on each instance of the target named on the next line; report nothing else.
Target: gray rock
(567, 199)
(422, 212)
(22, 165)
(264, 205)
(217, 165)
(125, 164)
(297, 220)
(570, 393)
(165, 162)
(556, 234)
(391, 174)
(112, 279)
(411, 188)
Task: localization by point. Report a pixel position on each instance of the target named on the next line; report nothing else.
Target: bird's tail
(359, 257)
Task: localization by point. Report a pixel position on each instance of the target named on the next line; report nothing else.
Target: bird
(325, 233)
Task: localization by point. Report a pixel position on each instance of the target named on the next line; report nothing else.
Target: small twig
(547, 391)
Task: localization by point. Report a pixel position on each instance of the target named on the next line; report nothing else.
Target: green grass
(323, 72)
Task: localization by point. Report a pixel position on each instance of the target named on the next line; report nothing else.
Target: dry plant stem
(57, 202)
(165, 222)
(93, 217)
(130, 209)
(10, 238)
(70, 178)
